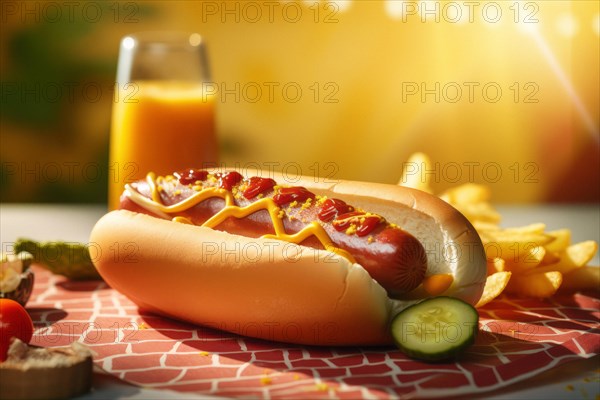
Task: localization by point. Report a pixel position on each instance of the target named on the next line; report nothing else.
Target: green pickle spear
(69, 259)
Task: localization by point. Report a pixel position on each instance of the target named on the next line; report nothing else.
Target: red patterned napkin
(519, 338)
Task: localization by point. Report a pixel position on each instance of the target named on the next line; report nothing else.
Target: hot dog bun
(280, 291)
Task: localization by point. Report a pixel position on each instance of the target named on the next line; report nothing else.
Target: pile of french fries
(526, 261)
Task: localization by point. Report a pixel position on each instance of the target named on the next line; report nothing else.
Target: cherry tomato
(14, 322)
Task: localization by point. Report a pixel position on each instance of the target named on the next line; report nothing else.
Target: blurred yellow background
(498, 92)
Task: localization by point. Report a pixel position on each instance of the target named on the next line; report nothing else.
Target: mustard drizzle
(231, 210)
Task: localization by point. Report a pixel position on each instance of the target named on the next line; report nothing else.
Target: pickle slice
(436, 329)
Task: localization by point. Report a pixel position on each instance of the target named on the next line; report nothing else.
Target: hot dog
(392, 256)
(374, 249)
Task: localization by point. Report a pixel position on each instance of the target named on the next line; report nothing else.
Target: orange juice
(161, 127)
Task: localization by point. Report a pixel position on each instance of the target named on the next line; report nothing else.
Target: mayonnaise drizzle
(156, 206)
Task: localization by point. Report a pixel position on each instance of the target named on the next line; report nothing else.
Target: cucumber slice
(436, 329)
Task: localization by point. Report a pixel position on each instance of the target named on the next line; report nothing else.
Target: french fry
(526, 262)
(469, 193)
(538, 228)
(478, 212)
(585, 278)
(539, 285)
(482, 226)
(472, 201)
(495, 265)
(515, 235)
(550, 257)
(513, 243)
(413, 176)
(494, 286)
(574, 257)
(581, 253)
(562, 240)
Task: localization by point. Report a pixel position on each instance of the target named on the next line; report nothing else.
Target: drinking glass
(163, 117)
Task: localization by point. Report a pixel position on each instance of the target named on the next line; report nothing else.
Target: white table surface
(576, 380)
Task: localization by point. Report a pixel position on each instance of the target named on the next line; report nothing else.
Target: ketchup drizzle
(363, 223)
(228, 180)
(256, 186)
(332, 208)
(191, 176)
(290, 194)
(367, 225)
(343, 221)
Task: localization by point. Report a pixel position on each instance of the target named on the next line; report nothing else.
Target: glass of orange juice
(163, 117)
